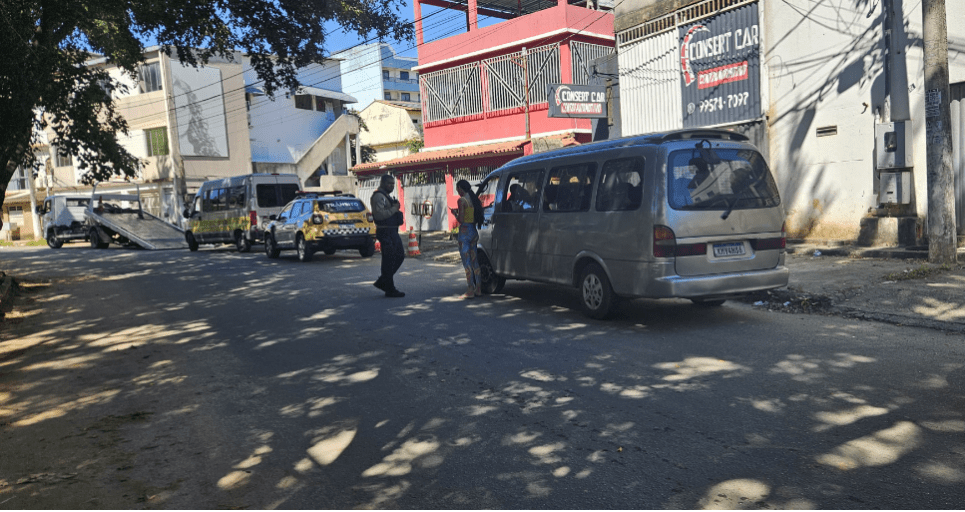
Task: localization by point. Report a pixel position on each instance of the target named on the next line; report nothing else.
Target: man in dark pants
(387, 214)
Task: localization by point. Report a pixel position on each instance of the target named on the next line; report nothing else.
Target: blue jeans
(467, 238)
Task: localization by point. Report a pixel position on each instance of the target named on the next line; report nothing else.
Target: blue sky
(438, 24)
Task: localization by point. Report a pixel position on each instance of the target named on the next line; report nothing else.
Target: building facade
(484, 96)
(375, 72)
(391, 127)
(822, 90)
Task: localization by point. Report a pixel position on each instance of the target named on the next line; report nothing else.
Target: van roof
(651, 139)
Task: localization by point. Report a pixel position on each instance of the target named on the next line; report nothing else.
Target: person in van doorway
(469, 215)
(388, 217)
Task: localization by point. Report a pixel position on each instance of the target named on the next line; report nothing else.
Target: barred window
(157, 141)
(61, 160)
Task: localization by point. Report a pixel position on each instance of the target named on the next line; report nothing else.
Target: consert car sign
(566, 100)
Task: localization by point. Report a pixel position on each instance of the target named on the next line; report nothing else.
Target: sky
(437, 24)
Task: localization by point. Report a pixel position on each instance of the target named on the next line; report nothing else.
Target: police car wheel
(305, 252)
(368, 250)
(329, 251)
(271, 248)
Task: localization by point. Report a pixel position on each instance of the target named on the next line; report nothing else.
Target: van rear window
(275, 195)
(720, 179)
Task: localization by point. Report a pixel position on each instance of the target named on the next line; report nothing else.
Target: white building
(374, 72)
(390, 126)
(813, 84)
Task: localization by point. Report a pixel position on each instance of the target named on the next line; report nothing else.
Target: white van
(690, 214)
(236, 210)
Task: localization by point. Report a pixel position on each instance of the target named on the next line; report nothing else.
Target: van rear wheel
(242, 243)
(704, 303)
(192, 242)
(596, 294)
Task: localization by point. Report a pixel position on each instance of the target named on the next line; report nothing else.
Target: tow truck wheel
(242, 243)
(95, 240)
(305, 252)
(192, 242)
(52, 241)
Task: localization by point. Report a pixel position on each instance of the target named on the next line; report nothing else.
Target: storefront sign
(566, 100)
(720, 67)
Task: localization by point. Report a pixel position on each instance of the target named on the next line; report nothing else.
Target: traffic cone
(378, 246)
(413, 244)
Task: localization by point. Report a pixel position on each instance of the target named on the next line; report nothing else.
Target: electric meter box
(893, 149)
(894, 187)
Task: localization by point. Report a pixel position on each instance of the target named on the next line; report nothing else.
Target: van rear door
(725, 211)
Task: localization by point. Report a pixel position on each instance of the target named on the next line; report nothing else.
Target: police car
(321, 221)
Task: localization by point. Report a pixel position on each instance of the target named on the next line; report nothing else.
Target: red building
(477, 112)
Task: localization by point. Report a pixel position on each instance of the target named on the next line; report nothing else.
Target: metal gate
(958, 152)
(419, 188)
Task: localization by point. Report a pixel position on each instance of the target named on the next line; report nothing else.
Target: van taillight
(664, 242)
(253, 215)
(765, 244)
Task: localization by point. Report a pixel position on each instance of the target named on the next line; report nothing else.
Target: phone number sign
(720, 68)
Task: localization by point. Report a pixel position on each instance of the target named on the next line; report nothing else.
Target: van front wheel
(491, 283)
(192, 242)
(596, 294)
(242, 243)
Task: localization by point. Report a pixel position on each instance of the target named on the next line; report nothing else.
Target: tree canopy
(47, 43)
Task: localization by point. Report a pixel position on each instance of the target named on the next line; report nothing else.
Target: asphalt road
(237, 381)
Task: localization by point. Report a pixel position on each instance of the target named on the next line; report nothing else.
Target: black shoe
(394, 293)
(380, 284)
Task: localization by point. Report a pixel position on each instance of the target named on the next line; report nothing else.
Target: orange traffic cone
(378, 246)
(413, 244)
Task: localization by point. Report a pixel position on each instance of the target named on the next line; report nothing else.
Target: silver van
(689, 214)
(235, 210)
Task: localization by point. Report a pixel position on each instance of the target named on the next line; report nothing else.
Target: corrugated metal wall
(650, 85)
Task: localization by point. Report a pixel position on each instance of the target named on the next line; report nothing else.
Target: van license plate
(731, 249)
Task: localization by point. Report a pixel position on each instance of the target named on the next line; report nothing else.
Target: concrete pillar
(473, 14)
(418, 24)
(348, 152)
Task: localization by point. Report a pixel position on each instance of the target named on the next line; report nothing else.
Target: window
(61, 160)
(569, 188)
(303, 102)
(157, 141)
(19, 181)
(215, 200)
(385, 74)
(237, 198)
(388, 95)
(719, 179)
(406, 97)
(621, 185)
(151, 77)
(523, 191)
(404, 75)
(487, 194)
(273, 196)
(15, 214)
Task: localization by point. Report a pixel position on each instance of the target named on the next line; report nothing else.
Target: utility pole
(942, 243)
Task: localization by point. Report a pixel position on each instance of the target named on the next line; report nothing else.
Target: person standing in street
(387, 213)
(469, 215)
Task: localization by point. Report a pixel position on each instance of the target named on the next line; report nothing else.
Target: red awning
(415, 160)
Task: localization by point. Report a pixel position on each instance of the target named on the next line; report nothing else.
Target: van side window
(237, 198)
(621, 185)
(523, 191)
(218, 199)
(569, 188)
(487, 194)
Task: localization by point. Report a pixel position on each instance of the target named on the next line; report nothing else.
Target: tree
(47, 44)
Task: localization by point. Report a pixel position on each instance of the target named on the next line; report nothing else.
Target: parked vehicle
(325, 222)
(120, 218)
(63, 219)
(235, 210)
(690, 214)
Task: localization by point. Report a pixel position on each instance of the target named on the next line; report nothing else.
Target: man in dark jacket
(384, 211)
